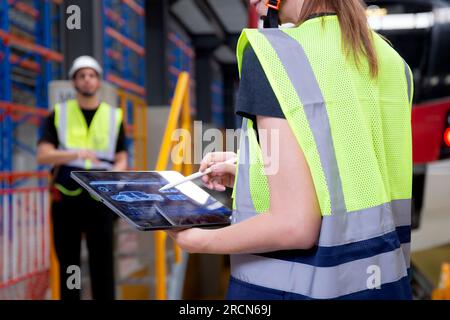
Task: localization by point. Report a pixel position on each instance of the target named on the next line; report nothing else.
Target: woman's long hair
(356, 35)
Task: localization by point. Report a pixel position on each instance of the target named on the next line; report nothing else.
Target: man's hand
(87, 155)
(47, 154)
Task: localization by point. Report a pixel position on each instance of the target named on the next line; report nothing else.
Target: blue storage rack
(181, 58)
(124, 44)
(29, 59)
(217, 98)
(124, 52)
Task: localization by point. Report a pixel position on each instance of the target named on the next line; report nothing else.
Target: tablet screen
(136, 196)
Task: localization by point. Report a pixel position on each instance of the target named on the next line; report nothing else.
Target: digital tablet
(135, 197)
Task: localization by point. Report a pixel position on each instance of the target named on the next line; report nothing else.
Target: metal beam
(157, 17)
(206, 42)
(203, 76)
(205, 8)
(83, 41)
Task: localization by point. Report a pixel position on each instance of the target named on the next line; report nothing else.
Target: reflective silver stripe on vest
(317, 282)
(113, 133)
(62, 124)
(243, 198)
(365, 224)
(408, 80)
(302, 77)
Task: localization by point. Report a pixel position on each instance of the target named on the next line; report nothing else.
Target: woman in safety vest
(322, 189)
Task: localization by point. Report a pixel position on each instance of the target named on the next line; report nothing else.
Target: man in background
(83, 134)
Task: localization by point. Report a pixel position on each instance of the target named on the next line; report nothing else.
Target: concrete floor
(429, 262)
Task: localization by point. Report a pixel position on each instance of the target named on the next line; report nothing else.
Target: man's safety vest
(355, 132)
(100, 137)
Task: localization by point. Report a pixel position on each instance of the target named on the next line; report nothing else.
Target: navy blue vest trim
(334, 256)
(240, 290)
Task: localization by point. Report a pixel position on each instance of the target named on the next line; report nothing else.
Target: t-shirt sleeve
(47, 132)
(255, 95)
(121, 140)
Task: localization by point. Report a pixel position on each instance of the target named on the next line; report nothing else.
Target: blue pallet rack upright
(5, 90)
(124, 53)
(124, 44)
(217, 99)
(181, 58)
(29, 59)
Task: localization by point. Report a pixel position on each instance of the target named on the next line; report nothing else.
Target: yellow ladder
(179, 118)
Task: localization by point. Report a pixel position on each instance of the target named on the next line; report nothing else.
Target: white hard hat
(85, 62)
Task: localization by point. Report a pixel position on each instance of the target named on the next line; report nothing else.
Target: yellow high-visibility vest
(100, 137)
(355, 132)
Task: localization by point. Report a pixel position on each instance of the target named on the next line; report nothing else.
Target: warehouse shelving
(124, 44)
(218, 108)
(29, 59)
(181, 59)
(124, 66)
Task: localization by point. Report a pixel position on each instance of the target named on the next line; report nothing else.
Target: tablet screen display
(136, 197)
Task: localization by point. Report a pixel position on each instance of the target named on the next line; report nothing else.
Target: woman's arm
(293, 220)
